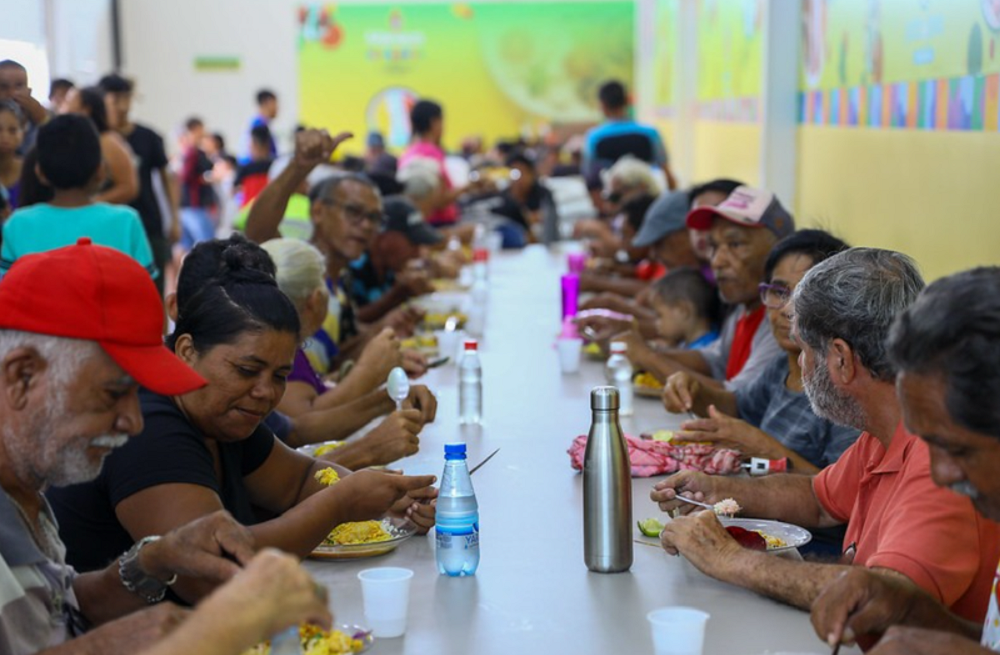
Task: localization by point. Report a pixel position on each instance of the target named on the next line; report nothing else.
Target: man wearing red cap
(79, 332)
(742, 231)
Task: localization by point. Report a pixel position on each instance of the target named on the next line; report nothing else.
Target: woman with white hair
(300, 268)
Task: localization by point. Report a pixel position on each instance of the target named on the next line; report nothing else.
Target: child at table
(687, 308)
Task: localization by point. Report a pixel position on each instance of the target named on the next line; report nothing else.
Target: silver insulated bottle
(607, 489)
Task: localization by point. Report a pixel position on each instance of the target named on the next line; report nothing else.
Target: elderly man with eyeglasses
(898, 522)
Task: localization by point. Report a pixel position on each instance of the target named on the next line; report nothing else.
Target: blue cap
(454, 451)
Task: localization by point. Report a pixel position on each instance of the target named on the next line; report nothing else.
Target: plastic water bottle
(619, 374)
(478, 294)
(470, 385)
(456, 527)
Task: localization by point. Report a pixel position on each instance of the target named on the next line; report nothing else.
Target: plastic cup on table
(386, 594)
(678, 630)
(570, 350)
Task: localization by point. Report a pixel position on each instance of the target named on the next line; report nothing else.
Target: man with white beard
(898, 521)
(80, 330)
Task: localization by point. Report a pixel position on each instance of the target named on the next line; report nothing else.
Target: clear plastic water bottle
(478, 294)
(456, 527)
(619, 374)
(470, 385)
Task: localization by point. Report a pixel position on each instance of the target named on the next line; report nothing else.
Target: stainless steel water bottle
(607, 488)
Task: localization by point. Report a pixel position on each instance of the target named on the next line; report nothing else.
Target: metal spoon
(694, 502)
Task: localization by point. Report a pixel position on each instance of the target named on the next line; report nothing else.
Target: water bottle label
(463, 538)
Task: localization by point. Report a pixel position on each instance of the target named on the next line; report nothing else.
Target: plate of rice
(341, 640)
(364, 539)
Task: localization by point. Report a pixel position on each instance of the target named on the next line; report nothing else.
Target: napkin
(649, 458)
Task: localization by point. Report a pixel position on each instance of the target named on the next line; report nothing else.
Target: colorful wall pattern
(730, 54)
(498, 72)
(917, 64)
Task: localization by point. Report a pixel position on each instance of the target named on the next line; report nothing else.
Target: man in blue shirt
(267, 111)
(619, 135)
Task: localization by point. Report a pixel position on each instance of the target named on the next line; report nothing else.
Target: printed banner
(500, 70)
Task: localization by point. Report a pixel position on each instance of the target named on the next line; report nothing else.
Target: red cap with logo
(747, 207)
(95, 293)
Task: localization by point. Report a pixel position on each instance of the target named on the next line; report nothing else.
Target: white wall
(161, 40)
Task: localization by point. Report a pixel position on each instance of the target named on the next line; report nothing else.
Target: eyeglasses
(774, 296)
(355, 214)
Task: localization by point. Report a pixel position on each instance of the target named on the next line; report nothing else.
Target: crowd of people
(283, 281)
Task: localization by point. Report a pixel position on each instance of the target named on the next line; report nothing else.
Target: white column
(779, 97)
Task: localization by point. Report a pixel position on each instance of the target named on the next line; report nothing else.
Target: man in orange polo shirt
(947, 350)
(897, 519)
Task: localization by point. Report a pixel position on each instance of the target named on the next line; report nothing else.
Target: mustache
(110, 441)
(965, 488)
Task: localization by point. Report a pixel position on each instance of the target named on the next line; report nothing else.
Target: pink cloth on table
(649, 458)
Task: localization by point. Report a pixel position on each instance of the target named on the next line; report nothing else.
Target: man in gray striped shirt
(80, 330)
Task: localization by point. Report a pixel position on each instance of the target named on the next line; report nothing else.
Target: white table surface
(532, 592)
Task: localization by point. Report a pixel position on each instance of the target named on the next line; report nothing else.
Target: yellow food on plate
(326, 448)
(647, 380)
(772, 541)
(435, 320)
(316, 641)
(592, 348)
(419, 342)
(358, 532)
(327, 476)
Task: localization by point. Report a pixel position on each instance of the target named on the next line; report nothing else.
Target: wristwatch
(138, 581)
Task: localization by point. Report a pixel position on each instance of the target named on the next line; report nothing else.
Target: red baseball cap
(95, 293)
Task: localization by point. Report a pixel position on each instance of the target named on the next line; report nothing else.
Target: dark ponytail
(241, 299)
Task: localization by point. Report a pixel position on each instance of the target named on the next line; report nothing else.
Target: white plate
(792, 535)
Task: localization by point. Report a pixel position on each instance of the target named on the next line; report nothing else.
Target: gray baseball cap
(664, 217)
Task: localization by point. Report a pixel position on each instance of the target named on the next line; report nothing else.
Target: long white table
(532, 592)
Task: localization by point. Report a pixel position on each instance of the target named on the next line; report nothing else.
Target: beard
(829, 402)
(47, 457)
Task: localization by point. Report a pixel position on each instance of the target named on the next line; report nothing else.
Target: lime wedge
(650, 527)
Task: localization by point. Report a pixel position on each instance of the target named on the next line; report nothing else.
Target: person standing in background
(427, 121)
(267, 111)
(198, 200)
(150, 156)
(619, 135)
(58, 89)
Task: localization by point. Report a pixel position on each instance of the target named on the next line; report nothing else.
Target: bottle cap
(604, 398)
(470, 344)
(454, 451)
(480, 255)
(619, 347)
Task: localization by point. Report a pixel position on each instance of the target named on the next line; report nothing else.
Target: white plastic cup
(448, 343)
(569, 354)
(678, 630)
(386, 594)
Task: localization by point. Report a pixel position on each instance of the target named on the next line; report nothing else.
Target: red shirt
(899, 519)
(739, 352)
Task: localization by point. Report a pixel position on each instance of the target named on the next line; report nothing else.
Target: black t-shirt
(515, 210)
(150, 156)
(169, 450)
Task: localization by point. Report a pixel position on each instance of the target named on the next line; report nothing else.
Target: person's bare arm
(789, 497)
(211, 547)
(172, 193)
(124, 179)
(337, 423)
(669, 174)
(312, 148)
